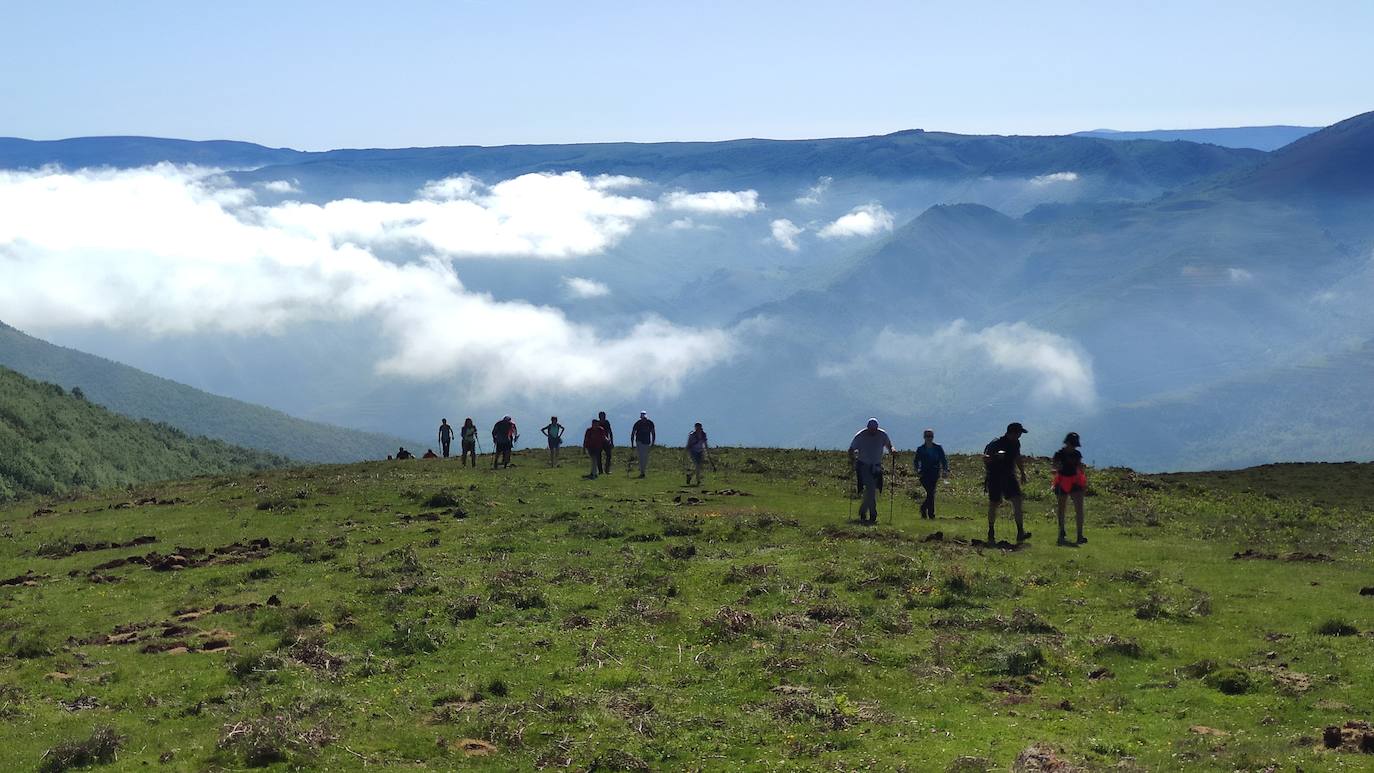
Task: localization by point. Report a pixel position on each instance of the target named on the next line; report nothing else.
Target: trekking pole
(849, 484)
(892, 489)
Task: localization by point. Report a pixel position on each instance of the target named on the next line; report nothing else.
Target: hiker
(1070, 481)
(603, 462)
(445, 435)
(644, 437)
(429, 454)
(503, 438)
(593, 440)
(1002, 464)
(468, 437)
(930, 463)
(402, 453)
(554, 432)
(866, 455)
(696, 448)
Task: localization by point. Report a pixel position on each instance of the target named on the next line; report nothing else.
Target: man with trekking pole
(866, 456)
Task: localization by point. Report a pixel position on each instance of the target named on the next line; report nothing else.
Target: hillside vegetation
(419, 615)
(53, 442)
(132, 392)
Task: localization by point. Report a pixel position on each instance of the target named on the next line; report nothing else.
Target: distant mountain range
(1256, 137)
(1169, 294)
(53, 441)
(140, 395)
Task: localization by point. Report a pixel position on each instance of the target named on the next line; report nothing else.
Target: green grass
(421, 615)
(54, 442)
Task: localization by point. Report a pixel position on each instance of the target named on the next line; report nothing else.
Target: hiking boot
(992, 538)
(1023, 536)
(641, 475)
(1063, 541)
(1082, 540)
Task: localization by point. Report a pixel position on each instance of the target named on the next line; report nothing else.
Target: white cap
(873, 423)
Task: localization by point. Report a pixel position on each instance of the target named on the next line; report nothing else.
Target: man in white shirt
(866, 455)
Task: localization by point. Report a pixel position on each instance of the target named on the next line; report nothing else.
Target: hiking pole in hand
(892, 488)
(849, 484)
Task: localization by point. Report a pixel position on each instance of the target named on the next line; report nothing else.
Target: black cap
(1071, 439)
(1015, 426)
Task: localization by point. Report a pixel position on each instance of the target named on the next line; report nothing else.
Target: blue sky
(355, 74)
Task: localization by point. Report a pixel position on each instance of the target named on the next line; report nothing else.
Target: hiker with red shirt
(593, 440)
(1070, 482)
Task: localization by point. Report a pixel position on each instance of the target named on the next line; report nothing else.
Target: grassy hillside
(421, 615)
(53, 442)
(142, 395)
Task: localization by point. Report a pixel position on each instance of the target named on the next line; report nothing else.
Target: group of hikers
(1004, 471)
(598, 441)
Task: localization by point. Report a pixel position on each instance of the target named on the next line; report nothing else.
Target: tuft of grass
(1231, 681)
(99, 748)
(1337, 627)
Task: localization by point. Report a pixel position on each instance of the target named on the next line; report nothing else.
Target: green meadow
(423, 616)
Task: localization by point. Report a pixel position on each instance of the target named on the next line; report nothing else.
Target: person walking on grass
(445, 435)
(604, 461)
(644, 437)
(593, 441)
(503, 439)
(1002, 465)
(554, 432)
(930, 463)
(866, 456)
(467, 436)
(696, 448)
(1070, 482)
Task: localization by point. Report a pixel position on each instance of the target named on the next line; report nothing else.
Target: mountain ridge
(140, 395)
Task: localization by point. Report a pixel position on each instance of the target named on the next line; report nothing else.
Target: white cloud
(785, 233)
(579, 287)
(975, 364)
(552, 216)
(1055, 177)
(864, 220)
(158, 250)
(280, 186)
(1239, 275)
(815, 193)
(616, 182)
(714, 202)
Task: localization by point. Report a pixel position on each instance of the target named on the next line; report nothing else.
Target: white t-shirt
(870, 445)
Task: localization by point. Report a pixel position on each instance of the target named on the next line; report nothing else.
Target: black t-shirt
(501, 432)
(606, 425)
(1002, 455)
(643, 431)
(1067, 461)
(445, 431)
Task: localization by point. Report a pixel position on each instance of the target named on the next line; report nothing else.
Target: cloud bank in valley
(169, 250)
(551, 216)
(714, 202)
(974, 366)
(863, 220)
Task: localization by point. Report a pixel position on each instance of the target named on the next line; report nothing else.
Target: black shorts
(1000, 488)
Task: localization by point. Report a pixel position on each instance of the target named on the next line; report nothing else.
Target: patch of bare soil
(1355, 736)
(1251, 554)
(62, 551)
(27, 579)
(1042, 759)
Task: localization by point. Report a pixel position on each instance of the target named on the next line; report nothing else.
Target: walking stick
(892, 489)
(849, 484)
